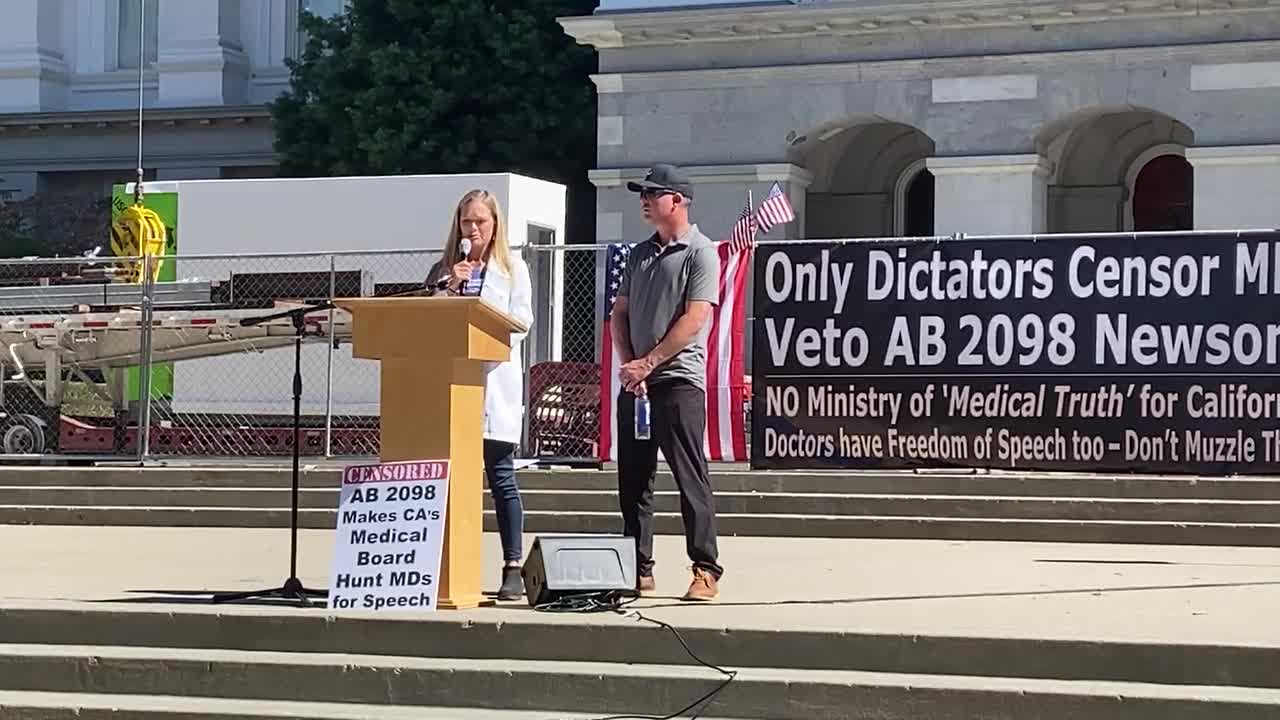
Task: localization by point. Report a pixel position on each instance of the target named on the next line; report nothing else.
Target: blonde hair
(498, 250)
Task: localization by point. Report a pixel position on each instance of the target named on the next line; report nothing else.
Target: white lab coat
(504, 382)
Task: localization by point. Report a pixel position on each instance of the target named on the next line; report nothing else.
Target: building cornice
(100, 119)
(927, 68)
(990, 165)
(127, 159)
(1234, 155)
(764, 172)
(670, 27)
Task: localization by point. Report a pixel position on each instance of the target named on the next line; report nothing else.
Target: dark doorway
(1162, 195)
(918, 215)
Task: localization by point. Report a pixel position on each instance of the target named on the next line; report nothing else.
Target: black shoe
(512, 584)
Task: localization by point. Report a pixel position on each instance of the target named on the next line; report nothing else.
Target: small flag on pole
(744, 231)
(775, 210)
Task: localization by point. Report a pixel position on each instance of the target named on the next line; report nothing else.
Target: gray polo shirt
(658, 282)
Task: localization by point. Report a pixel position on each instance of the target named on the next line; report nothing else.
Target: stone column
(990, 195)
(1236, 187)
(833, 216)
(33, 70)
(91, 35)
(201, 61)
(1075, 209)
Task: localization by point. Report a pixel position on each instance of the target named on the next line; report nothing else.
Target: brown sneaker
(646, 586)
(704, 587)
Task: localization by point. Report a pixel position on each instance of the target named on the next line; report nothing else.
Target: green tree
(447, 86)
(53, 225)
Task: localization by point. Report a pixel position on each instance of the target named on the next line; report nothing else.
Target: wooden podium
(433, 351)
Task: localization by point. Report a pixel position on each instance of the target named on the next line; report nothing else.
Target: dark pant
(500, 469)
(678, 422)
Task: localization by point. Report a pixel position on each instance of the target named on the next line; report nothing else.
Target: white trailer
(58, 345)
(342, 224)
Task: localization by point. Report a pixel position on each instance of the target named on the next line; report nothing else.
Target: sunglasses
(654, 194)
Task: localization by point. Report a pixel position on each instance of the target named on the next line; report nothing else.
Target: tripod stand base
(293, 589)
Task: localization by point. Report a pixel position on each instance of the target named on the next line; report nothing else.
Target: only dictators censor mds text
(1015, 354)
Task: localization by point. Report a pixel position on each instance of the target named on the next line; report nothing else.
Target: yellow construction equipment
(139, 232)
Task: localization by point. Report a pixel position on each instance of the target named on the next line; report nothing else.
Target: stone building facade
(69, 89)
(915, 117)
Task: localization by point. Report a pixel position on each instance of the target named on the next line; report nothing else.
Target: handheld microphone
(464, 249)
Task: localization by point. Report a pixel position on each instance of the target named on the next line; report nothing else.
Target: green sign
(166, 206)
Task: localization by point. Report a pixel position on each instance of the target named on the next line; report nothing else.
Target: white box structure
(295, 224)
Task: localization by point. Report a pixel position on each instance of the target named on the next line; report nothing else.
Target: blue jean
(500, 470)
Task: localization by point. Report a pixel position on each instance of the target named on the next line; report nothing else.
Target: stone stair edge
(26, 705)
(808, 517)
(283, 469)
(445, 661)
(215, 630)
(540, 491)
(556, 686)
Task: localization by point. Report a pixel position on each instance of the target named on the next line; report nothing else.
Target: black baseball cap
(664, 176)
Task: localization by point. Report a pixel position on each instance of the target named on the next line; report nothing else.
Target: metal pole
(144, 371)
(142, 64)
(529, 358)
(328, 395)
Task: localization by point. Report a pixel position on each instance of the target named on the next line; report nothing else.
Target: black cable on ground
(613, 601)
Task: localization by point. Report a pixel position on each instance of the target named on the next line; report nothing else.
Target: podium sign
(433, 353)
(390, 536)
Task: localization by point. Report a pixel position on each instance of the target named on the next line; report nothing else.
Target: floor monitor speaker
(563, 565)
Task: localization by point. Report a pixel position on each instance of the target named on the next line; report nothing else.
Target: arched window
(913, 201)
(917, 211)
(1162, 194)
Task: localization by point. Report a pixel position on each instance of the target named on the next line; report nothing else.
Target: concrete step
(161, 496)
(937, 483)
(609, 639)
(667, 523)
(875, 483)
(603, 688)
(28, 705)
(940, 506)
(257, 477)
(579, 501)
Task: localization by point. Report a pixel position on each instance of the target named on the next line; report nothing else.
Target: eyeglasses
(654, 194)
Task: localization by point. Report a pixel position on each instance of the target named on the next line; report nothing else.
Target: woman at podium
(478, 261)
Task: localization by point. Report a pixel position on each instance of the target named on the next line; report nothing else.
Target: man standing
(660, 322)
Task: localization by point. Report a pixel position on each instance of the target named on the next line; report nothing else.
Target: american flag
(775, 210)
(725, 438)
(744, 231)
(615, 265)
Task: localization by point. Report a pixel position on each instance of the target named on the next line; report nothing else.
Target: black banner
(1127, 353)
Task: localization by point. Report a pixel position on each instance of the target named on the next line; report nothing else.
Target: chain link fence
(216, 360)
(222, 377)
(562, 355)
(353, 385)
(220, 389)
(238, 402)
(71, 337)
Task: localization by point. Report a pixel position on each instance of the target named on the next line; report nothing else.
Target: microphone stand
(293, 589)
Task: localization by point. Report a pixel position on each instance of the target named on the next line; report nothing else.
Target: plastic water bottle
(642, 418)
